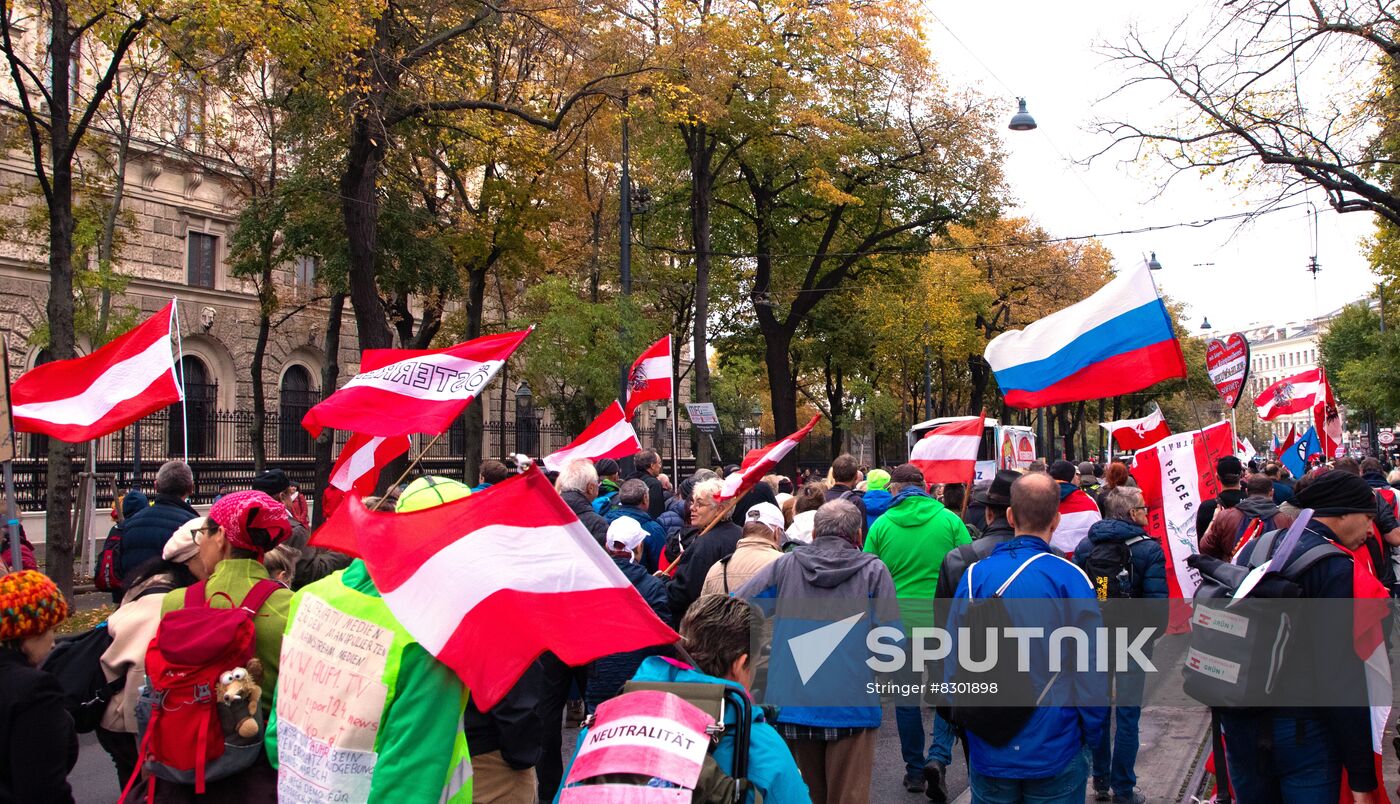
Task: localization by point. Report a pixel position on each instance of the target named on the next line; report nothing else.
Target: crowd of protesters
(697, 560)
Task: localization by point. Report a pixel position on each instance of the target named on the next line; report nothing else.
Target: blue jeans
(910, 721)
(1067, 787)
(1117, 749)
(1304, 766)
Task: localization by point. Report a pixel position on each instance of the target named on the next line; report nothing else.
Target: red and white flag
(760, 462)
(1291, 394)
(1078, 513)
(489, 582)
(1134, 434)
(609, 436)
(650, 378)
(88, 397)
(357, 469)
(948, 454)
(1327, 418)
(1289, 441)
(1370, 612)
(1176, 475)
(403, 391)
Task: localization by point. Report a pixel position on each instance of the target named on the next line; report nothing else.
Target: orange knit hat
(30, 604)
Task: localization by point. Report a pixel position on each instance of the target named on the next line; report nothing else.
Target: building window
(201, 395)
(297, 397)
(304, 270)
(189, 111)
(203, 252)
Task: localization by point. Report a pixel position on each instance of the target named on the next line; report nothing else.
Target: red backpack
(183, 738)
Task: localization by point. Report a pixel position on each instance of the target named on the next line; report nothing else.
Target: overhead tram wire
(1194, 224)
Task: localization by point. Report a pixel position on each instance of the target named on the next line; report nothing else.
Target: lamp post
(524, 419)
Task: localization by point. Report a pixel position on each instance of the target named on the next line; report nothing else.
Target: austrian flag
(609, 436)
(760, 462)
(650, 377)
(403, 391)
(89, 397)
(357, 469)
(489, 582)
(949, 453)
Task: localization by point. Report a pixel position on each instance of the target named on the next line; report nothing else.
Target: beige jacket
(132, 627)
(752, 554)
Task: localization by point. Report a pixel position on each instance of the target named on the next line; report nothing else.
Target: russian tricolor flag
(1117, 341)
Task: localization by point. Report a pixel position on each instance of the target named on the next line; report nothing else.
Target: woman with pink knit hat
(38, 746)
(241, 528)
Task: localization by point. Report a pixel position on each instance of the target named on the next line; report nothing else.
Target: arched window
(297, 397)
(201, 395)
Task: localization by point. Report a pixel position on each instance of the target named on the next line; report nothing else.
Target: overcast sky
(1049, 53)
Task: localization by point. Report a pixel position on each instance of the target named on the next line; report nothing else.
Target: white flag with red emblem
(88, 397)
(650, 378)
(403, 391)
(1136, 434)
(760, 462)
(609, 436)
(948, 454)
(357, 469)
(489, 582)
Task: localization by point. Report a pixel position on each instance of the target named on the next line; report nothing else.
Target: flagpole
(180, 366)
(8, 448)
(411, 464)
(675, 414)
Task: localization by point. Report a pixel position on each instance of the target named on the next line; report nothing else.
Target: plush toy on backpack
(238, 694)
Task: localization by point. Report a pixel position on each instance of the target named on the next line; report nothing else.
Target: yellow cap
(430, 491)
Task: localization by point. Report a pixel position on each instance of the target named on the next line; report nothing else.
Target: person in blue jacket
(878, 497)
(631, 503)
(1125, 522)
(716, 633)
(1047, 761)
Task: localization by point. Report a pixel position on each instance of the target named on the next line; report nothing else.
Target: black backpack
(76, 662)
(1237, 654)
(1109, 566)
(1015, 696)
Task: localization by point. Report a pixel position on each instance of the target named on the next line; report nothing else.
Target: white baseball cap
(768, 514)
(625, 533)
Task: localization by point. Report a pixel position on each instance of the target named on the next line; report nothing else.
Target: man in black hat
(275, 483)
(1292, 754)
(1229, 471)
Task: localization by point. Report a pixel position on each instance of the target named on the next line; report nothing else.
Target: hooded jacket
(703, 553)
(912, 539)
(1149, 562)
(827, 569)
(1055, 734)
(1222, 537)
(1228, 498)
(772, 769)
(38, 746)
(752, 554)
(877, 502)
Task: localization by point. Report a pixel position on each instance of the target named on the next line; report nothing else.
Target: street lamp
(1022, 120)
(525, 419)
(1152, 264)
(1205, 322)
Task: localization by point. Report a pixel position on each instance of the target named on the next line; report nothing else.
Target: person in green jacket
(364, 713)
(911, 538)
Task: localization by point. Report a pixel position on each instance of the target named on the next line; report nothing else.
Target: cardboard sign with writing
(703, 416)
(1227, 363)
(647, 733)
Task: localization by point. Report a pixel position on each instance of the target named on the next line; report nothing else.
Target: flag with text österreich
(489, 582)
(403, 391)
(357, 469)
(87, 397)
(650, 377)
